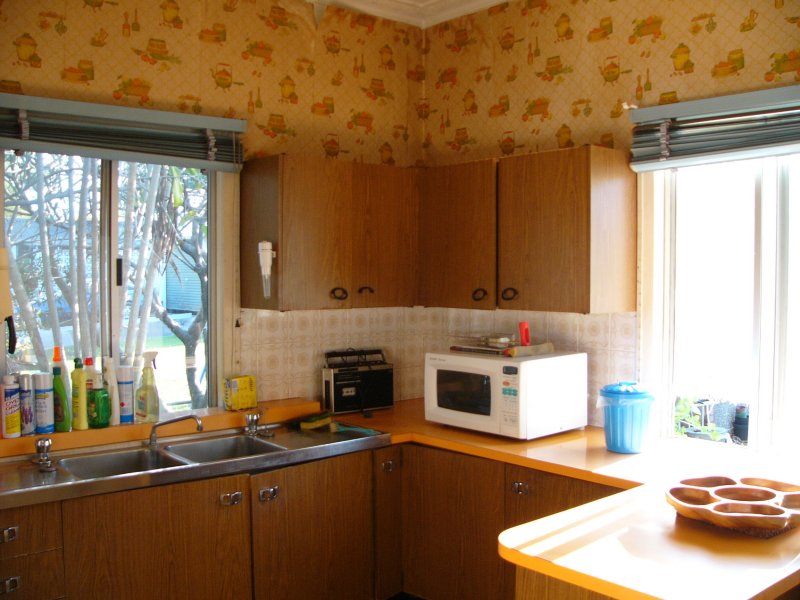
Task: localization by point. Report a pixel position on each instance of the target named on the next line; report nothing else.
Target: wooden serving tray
(755, 506)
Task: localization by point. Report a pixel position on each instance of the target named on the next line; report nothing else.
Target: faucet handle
(251, 422)
(42, 459)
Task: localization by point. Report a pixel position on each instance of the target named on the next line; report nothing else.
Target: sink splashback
(285, 350)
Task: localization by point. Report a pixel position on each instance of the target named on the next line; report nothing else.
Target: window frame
(656, 259)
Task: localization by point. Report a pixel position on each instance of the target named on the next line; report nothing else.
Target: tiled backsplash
(285, 351)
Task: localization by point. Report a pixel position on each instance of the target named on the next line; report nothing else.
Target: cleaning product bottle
(80, 419)
(26, 406)
(43, 402)
(147, 404)
(126, 393)
(91, 373)
(110, 382)
(11, 414)
(62, 406)
(97, 407)
(59, 360)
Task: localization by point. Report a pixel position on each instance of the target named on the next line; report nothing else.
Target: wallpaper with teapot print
(519, 77)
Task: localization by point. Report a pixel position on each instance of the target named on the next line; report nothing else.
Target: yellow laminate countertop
(631, 544)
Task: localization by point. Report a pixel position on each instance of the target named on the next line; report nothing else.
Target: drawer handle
(366, 288)
(231, 499)
(10, 584)
(521, 488)
(339, 293)
(9, 534)
(268, 494)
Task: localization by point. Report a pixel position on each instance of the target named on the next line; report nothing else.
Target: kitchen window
(720, 272)
(111, 255)
(114, 225)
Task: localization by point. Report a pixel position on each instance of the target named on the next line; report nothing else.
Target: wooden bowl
(755, 506)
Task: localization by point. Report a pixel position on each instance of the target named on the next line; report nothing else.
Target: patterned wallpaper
(519, 77)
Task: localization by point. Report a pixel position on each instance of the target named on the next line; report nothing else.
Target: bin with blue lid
(626, 410)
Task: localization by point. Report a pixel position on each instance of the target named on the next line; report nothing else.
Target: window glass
(163, 247)
(52, 216)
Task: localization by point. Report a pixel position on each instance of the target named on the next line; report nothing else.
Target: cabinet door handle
(479, 294)
(268, 494)
(366, 288)
(9, 584)
(509, 293)
(9, 534)
(231, 499)
(339, 293)
(521, 488)
(388, 466)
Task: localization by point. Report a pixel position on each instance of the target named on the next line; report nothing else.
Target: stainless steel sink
(222, 448)
(109, 464)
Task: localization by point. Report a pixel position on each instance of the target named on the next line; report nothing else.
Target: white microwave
(522, 397)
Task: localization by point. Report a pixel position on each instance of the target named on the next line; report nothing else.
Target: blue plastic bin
(626, 410)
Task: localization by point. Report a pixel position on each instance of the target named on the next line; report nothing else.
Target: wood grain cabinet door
(385, 232)
(567, 231)
(531, 494)
(389, 528)
(458, 237)
(453, 513)
(313, 530)
(184, 541)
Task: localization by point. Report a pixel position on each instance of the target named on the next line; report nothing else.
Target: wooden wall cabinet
(31, 555)
(452, 515)
(458, 237)
(181, 541)
(313, 530)
(344, 233)
(567, 231)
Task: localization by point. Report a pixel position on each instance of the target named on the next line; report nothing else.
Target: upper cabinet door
(385, 247)
(458, 237)
(567, 232)
(316, 257)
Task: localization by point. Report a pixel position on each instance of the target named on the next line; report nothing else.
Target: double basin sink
(209, 450)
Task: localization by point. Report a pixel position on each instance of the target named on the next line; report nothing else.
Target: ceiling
(422, 13)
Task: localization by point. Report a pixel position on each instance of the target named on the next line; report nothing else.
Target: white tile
(594, 331)
(334, 323)
(272, 327)
(562, 330)
(457, 321)
(304, 326)
(623, 366)
(624, 331)
(481, 322)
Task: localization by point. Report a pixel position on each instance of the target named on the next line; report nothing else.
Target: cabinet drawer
(30, 529)
(34, 576)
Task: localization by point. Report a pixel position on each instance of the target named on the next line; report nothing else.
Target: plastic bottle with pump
(80, 419)
(147, 403)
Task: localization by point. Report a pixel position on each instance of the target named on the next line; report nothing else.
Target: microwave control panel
(510, 391)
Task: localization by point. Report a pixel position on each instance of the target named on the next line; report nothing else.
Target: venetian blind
(761, 123)
(120, 133)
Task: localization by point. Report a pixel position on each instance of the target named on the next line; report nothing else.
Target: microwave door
(464, 392)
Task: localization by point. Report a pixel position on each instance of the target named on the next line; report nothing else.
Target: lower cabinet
(387, 464)
(31, 556)
(452, 515)
(313, 530)
(182, 541)
(532, 494)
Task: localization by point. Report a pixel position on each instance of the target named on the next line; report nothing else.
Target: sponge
(316, 421)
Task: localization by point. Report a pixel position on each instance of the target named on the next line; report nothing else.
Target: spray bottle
(147, 404)
(62, 406)
(59, 360)
(80, 419)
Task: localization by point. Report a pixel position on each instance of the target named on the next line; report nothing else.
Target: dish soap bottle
(98, 407)
(147, 404)
(62, 407)
(80, 419)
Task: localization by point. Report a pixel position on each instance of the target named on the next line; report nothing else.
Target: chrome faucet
(43, 455)
(153, 439)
